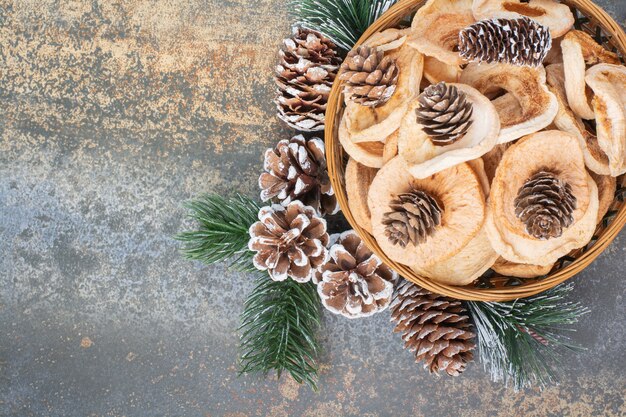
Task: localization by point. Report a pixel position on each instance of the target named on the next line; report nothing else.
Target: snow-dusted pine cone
(413, 218)
(354, 282)
(520, 41)
(304, 75)
(290, 241)
(370, 76)
(545, 204)
(435, 327)
(296, 170)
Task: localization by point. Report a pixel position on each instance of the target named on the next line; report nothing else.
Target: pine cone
(445, 113)
(305, 74)
(370, 76)
(520, 41)
(354, 282)
(545, 205)
(413, 218)
(436, 328)
(290, 241)
(296, 170)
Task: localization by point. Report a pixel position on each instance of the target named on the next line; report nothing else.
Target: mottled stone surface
(113, 113)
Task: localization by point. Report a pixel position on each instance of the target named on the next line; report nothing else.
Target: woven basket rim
(334, 111)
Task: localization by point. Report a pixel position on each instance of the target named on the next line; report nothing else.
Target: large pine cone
(354, 282)
(545, 204)
(444, 113)
(296, 170)
(290, 241)
(304, 76)
(370, 76)
(520, 41)
(413, 218)
(436, 328)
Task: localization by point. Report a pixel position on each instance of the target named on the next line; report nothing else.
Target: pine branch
(343, 21)
(222, 233)
(519, 341)
(279, 326)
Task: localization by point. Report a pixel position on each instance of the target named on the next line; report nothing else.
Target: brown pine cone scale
(545, 204)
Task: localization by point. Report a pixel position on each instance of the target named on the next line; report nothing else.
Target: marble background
(111, 114)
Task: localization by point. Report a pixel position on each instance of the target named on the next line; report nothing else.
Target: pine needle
(343, 21)
(278, 330)
(222, 234)
(519, 341)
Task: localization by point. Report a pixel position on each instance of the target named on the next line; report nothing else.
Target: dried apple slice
(518, 225)
(367, 153)
(558, 17)
(435, 29)
(436, 71)
(461, 200)
(579, 52)
(609, 86)
(424, 157)
(358, 180)
(607, 186)
(565, 120)
(529, 106)
(368, 124)
(512, 269)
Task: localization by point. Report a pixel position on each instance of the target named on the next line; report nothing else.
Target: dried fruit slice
(606, 193)
(565, 120)
(580, 51)
(424, 157)
(435, 29)
(464, 267)
(368, 124)
(358, 180)
(530, 106)
(609, 86)
(558, 17)
(458, 193)
(512, 269)
(388, 39)
(367, 153)
(549, 151)
(436, 71)
(492, 159)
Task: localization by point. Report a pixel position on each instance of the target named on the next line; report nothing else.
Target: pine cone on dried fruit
(370, 76)
(444, 113)
(545, 204)
(354, 282)
(436, 328)
(296, 170)
(413, 218)
(520, 41)
(304, 75)
(290, 241)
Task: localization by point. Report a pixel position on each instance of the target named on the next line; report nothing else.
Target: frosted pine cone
(354, 282)
(520, 41)
(290, 241)
(304, 75)
(296, 170)
(370, 76)
(436, 328)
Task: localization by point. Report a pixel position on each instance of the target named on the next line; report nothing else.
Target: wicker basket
(491, 286)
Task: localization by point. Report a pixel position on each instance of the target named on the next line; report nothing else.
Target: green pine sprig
(519, 342)
(222, 234)
(279, 326)
(343, 21)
